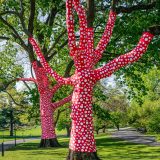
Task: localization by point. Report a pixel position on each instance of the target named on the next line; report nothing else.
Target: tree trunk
(82, 143)
(104, 129)
(48, 137)
(11, 122)
(117, 125)
(68, 128)
(73, 155)
(49, 143)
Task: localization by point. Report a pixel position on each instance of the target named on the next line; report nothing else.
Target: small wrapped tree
(47, 108)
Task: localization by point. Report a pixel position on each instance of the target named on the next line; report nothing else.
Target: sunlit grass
(107, 147)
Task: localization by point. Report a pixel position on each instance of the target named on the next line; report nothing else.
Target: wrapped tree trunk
(47, 108)
(48, 137)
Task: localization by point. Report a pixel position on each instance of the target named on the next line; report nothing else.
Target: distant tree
(12, 110)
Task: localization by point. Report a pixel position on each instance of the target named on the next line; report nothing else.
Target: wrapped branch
(55, 105)
(105, 37)
(70, 25)
(82, 22)
(125, 59)
(46, 66)
(27, 79)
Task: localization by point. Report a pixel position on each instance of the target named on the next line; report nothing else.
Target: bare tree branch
(90, 12)
(122, 9)
(55, 52)
(57, 41)
(58, 114)
(27, 86)
(15, 33)
(18, 104)
(4, 38)
(68, 69)
(31, 17)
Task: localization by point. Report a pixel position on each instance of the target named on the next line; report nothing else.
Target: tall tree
(82, 143)
(18, 20)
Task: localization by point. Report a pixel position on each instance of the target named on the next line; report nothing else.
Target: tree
(11, 111)
(47, 108)
(144, 117)
(101, 115)
(117, 105)
(82, 143)
(16, 25)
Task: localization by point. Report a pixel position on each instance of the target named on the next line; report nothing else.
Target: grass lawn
(25, 133)
(108, 149)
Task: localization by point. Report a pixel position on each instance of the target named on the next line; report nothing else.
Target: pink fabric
(47, 108)
(85, 77)
(46, 111)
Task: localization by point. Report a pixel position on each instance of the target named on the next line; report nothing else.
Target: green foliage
(146, 115)
(11, 111)
(9, 68)
(154, 122)
(33, 109)
(64, 119)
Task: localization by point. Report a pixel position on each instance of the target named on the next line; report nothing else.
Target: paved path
(133, 136)
(10, 144)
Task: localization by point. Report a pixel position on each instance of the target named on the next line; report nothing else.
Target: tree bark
(53, 142)
(11, 122)
(68, 128)
(73, 155)
(90, 13)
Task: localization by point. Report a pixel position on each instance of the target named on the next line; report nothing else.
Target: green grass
(107, 147)
(25, 133)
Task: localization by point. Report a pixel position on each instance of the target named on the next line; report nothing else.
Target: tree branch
(31, 17)
(27, 79)
(15, 33)
(58, 114)
(55, 52)
(68, 69)
(56, 105)
(125, 59)
(90, 12)
(14, 100)
(27, 86)
(70, 24)
(122, 9)
(4, 38)
(56, 41)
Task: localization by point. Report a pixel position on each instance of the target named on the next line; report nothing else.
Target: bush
(154, 122)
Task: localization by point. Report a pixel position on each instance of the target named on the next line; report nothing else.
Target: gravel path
(133, 136)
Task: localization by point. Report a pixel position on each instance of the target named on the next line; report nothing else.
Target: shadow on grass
(108, 148)
(34, 145)
(17, 136)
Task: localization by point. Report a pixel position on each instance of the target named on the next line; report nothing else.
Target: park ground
(108, 148)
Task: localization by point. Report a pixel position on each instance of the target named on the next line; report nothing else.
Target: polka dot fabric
(47, 108)
(125, 59)
(85, 77)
